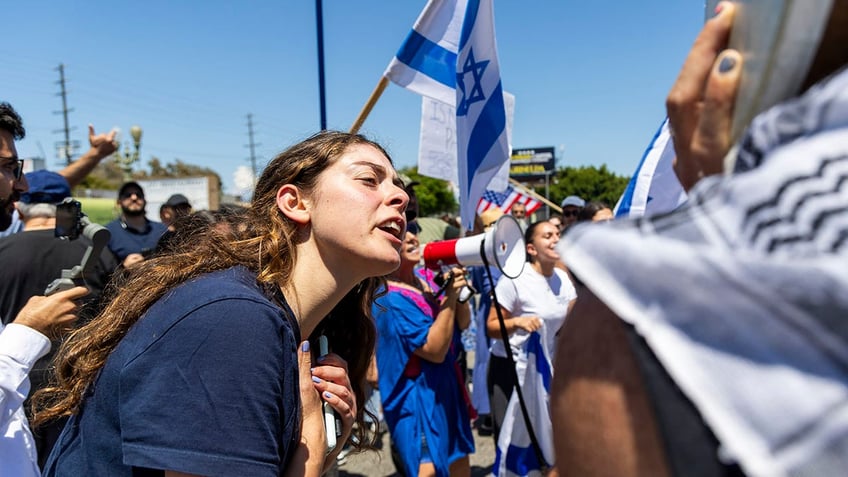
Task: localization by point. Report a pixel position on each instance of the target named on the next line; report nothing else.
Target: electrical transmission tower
(66, 148)
(252, 145)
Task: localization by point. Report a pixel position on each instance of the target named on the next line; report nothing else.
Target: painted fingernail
(727, 64)
(328, 395)
(316, 379)
(719, 8)
(305, 346)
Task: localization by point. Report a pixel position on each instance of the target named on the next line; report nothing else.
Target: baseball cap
(574, 200)
(177, 199)
(45, 187)
(128, 185)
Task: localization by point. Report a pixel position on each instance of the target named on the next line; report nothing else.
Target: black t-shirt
(32, 260)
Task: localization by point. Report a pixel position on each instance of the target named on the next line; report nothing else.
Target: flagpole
(369, 105)
(319, 17)
(535, 195)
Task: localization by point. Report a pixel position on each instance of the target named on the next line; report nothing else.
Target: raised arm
(441, 332)
(102, 145)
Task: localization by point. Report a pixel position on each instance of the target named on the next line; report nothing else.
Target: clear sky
(590, 77)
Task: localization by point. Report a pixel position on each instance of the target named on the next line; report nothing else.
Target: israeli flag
(654, 187)
(482, 145)
(426, 62)
(515, 455)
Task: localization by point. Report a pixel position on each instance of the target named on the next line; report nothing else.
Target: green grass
(99, 210)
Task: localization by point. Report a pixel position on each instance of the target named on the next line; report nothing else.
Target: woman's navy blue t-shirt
(206, 382)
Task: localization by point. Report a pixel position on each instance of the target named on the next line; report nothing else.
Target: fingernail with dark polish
(727, 64)
(305, 346)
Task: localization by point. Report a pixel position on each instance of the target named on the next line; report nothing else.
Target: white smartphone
(329, 414)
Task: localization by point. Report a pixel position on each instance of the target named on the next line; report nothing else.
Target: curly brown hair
(263, 243)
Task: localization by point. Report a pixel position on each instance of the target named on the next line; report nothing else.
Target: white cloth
(741, 292)
(533, 294)
(20, 348)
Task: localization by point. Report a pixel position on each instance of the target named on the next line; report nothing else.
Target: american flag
(505, 199)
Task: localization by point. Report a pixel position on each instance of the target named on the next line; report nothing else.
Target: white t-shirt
(533, 294)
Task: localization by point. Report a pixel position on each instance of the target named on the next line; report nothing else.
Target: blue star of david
(476, 91)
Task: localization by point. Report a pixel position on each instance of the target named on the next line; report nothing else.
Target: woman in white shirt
(539, 298)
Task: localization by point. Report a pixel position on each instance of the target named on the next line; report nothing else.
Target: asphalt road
(379, 463)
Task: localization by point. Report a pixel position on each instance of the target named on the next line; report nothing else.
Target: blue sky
(590, 78)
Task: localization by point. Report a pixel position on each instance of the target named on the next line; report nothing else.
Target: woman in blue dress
(425, 402)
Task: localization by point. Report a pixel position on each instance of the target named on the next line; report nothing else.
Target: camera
(69, 219)
(70, 224)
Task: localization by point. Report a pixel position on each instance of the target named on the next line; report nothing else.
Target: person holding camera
(35, 257)
(134, 237)
(425, 402)
(26, 339)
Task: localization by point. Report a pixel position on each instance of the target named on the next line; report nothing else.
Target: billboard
(530, 164)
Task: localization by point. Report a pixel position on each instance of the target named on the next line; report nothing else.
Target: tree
(434, 195)
(588, 182)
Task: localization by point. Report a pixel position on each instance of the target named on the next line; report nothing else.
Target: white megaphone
(502, 245)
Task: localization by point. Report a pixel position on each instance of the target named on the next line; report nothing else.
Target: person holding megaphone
(425, 403)
(533, 303)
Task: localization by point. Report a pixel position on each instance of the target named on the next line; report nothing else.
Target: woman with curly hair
(196, 365)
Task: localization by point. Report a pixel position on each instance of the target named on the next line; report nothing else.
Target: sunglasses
(18, 170)
(569, 213)
(130, 193)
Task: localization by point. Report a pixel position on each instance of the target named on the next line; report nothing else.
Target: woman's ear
(292, 204)
(531, 250)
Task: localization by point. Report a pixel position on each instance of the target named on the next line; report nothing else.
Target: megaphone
(502, 245)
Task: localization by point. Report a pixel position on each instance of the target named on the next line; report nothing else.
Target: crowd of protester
(194, 346)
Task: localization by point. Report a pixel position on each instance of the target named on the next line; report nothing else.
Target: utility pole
(319, 16)
(66, 148)
(252, 147)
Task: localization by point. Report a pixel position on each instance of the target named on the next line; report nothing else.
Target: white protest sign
(437, 142)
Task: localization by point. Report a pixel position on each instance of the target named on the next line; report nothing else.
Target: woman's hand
(309, 458)
(330, 378)
(458, 282)
(700, 104)
(528, 323)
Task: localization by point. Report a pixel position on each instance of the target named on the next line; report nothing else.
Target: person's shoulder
(114, 225)
(236, 282)
(26, 238)
(157, 227)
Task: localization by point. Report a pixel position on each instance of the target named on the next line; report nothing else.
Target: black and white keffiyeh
(742, 293)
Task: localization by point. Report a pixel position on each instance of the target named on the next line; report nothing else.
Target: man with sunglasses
(24, 340)
(13, 183)
(102, 146)
(571, 206)
(133, 235)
